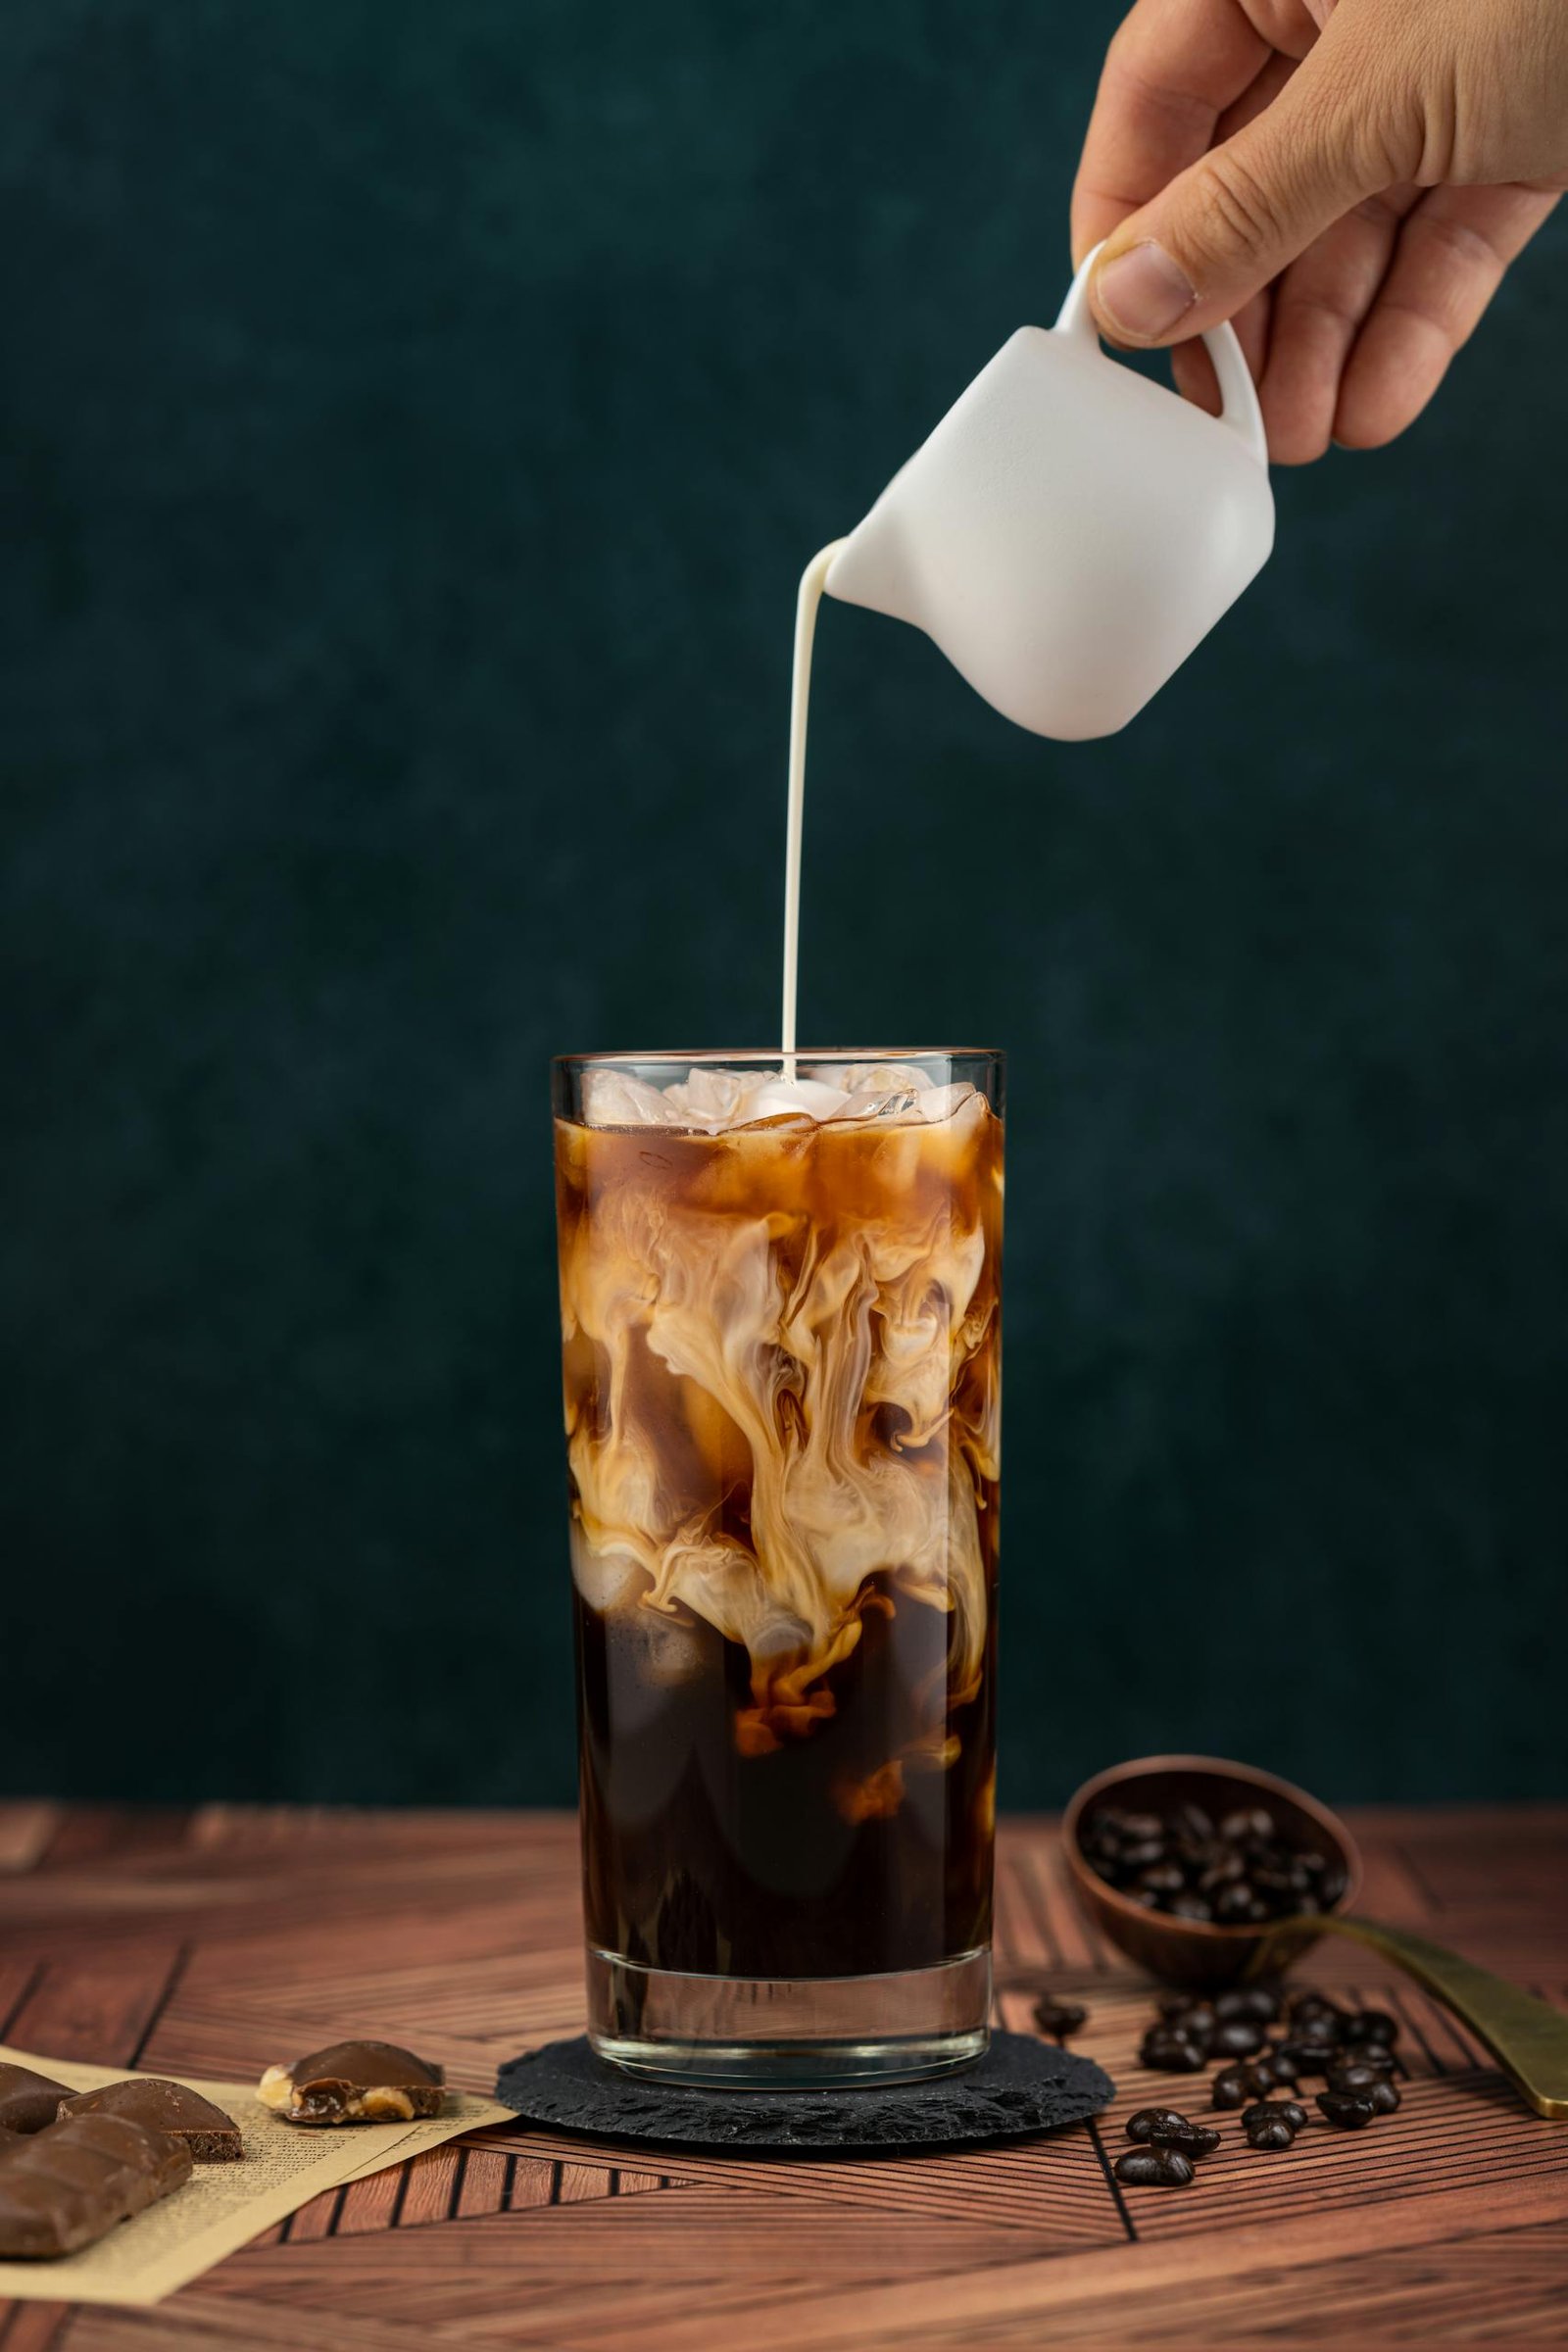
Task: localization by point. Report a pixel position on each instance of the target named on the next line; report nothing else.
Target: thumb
(1239, 216)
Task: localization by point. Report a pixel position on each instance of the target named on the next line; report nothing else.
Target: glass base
(788, 2033)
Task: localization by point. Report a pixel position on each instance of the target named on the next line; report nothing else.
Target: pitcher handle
(1238, 407)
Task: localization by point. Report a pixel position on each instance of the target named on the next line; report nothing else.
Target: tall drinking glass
(781, 1294)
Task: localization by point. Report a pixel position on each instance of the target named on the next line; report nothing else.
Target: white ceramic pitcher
(1070, 530)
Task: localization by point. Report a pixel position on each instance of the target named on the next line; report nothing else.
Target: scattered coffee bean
(1257, 2001)
(1155, 2168)
(1307, 2004)
(1053, 2015)
(1168, 2051)
(1274, 2132)
(1374, 2054)
(1164, 2127)
(1235, 2086)
(1364, 2083)
(1275, 2069)
(1197, 2021)
(1236, 2037)
(1307, 2057)
(1347, 2111)
(1273, 2123)
(1275, 2111)
(1372, 2026)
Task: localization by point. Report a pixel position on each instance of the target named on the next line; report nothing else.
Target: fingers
(1452, 255)
(1194, 369)
(1171, 70)
(1320, 305)
(1237, 216)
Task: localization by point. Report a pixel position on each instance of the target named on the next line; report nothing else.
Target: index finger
(1172, 68)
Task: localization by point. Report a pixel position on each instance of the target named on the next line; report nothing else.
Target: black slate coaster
(1018, 2089)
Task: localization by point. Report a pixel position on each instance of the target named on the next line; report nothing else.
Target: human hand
(1347, 183)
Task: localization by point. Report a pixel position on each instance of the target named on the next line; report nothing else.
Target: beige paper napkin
(222, 2206)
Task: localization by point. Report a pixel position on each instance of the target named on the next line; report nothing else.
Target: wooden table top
(216, 1942)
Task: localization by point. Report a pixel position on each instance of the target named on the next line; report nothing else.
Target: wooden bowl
(1186, 1951)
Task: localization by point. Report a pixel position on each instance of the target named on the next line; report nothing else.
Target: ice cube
(874, 1077)
(944, 1101)
(615, 1099)
(865, 1107)
(799, 1097)
(714, 1099)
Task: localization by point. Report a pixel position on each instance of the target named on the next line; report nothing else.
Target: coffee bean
(1372, 2026)
(1191, 1821)
(1307, 2057)
(1347, 2111)
(1306, 2003)
(1258, 2001)
(1140, 1852)
(1189, 1906)
(1273, 2124)
(1053, 2015)
(1248, 1822)
(1373, 2054)
(1364, 2083)
(1223, 1869)
(1275, 2133)
(1155, 2168)
(1234, 2087)
(1164, 2127)
(1142, 1825)
(1235, 1905)
(1236, 2037)
(1199, 2018)
(1176, 2004)
(1171, 2052)
(1164, 1877)
(1145, 1897)
(1157, 2123)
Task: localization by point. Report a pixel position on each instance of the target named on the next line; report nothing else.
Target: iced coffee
(780, 1309)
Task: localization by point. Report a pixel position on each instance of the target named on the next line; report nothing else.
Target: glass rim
(726, 1055)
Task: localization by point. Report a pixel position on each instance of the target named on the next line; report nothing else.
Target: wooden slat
(220, 1942)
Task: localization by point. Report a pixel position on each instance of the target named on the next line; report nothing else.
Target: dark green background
(414, 420)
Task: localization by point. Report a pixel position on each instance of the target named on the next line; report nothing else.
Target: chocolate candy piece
(62, 2187)
(354, 2083)
(211, 2135)
(28, 2101)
